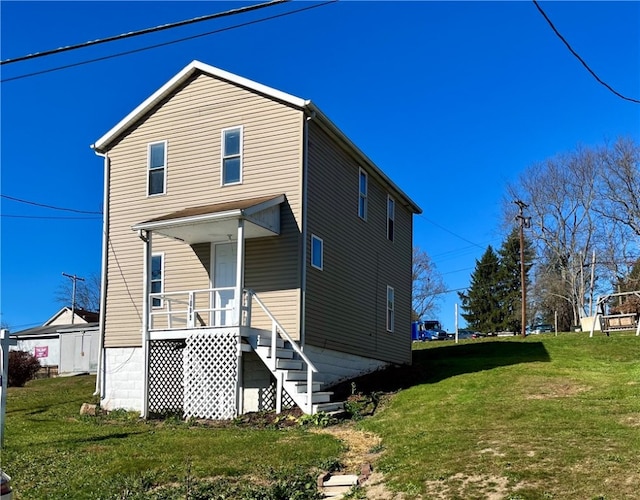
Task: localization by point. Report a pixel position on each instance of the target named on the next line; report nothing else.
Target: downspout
(303, 277)
(103, 273)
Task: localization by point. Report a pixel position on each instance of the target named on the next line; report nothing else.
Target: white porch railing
(206, 308)
(217, 307)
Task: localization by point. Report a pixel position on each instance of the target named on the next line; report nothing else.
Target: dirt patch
(632, 420)
(359, 447)
(459, 485)
(550, 389)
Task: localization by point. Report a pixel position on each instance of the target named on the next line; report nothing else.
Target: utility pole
(524, 222)
(75, 279)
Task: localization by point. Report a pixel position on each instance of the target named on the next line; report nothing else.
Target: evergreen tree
(480, 302)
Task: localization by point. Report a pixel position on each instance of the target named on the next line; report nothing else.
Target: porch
(208, 370)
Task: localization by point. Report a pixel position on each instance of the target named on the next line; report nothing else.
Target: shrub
(23, 367)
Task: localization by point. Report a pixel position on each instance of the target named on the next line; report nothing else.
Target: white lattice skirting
(211, 363)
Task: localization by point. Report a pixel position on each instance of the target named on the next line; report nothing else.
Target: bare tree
(428, 285)
(87, 293)
(560, 194)
(620, 184)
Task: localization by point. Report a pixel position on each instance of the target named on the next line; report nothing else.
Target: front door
(224, 276)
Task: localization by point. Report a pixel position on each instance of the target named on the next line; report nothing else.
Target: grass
(543, 418)
(547, 417)
(52, 452)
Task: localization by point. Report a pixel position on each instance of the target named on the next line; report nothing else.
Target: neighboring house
(68, 341)
(253, 255)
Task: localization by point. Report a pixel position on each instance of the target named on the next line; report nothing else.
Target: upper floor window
(232, 156)
(391, 306)
(157, 272)
(317, 252)
(391, 217)
(362, 197)
(157, 167)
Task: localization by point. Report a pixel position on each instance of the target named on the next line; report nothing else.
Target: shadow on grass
(432, 365)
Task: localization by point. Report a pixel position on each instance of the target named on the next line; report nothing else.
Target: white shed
(71, 347)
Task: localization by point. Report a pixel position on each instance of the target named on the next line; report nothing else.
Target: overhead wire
(52, 207)
(582, 61)
(171, 42)
(144, 31)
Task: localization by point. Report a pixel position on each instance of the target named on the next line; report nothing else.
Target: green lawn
(53, 452)
(547, 417)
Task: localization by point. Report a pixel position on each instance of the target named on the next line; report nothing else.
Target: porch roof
(219, 221)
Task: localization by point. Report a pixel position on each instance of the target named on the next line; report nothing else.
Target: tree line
(583, 239)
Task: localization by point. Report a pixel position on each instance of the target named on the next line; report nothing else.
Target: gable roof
(87, 316)
(103, 144)
(53, 330)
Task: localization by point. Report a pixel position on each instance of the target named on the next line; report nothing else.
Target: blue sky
(451, 99)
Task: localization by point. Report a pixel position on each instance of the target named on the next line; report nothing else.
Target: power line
(221, 30)
(145, 31)
(450, 232)
(577, 56)
(48, 218)
(19, 200)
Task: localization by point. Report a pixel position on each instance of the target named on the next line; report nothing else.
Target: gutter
(103, 274)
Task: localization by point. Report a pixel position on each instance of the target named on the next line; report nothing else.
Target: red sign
(41, 352)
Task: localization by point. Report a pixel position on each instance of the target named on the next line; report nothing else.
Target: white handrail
(277, 326)
(282, 330)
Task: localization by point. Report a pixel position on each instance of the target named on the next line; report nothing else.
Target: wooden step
(302, 387)
(332, 407)
(280, 353)
(295, 375)
(317, 397)
(265, 341)
(288, 364)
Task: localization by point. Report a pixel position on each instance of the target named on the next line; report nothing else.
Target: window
(232, 156)
(157, 163)
(390, 308)
(157, 271)
(317, 251)
(391, 216)
(362, 198)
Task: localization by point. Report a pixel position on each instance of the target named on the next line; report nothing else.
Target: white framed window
(391, 217)
(363, 194)
(317, 252)
(157, 278)
(391, 305)
(156, 168)
(231, 156)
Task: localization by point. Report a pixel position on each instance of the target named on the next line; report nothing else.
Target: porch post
(146, 288)
(238, 312)
(239, 271)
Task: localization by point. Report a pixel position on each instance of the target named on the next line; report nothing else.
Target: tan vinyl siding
(346, 302)
(191, 121)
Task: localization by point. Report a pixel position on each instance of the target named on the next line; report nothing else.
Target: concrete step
(338, 485)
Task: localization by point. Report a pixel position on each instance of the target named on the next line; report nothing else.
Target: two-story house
(253, 256)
